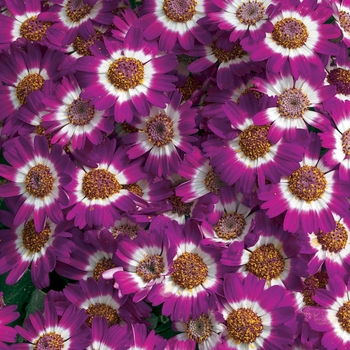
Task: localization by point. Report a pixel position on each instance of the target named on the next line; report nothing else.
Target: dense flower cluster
(182, 167)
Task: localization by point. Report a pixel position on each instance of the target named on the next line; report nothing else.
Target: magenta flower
(195, 278)
(299, 32)
(310, 195)
(37, 176)
(72, 119)
(255, 315)
(7, 315)
(97, 194)
(50, 330)
(162, 135)
(146, 261)
(130, 78)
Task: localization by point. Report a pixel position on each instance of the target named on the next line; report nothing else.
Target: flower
(73, 119)
(230, 221)
(25, 247)
(337, 139)
(330, 248)
(174, 22)
(22, 21)
(142, 339)
(104, 337)
(332, 316)
(37, 176)
(341, 13)
(204, 331)
(295, 97)
(203, 179)
(100, 299)
(255, 317)
(53, 331)
(145, 263)
(162, 134)
(195, 276)
(232, 60)
(251, 157)
(273, 255)
(98, 193)
(241, 18)
(92, 254)
(310, 195)
(130, 78)
(299, 33)
(7, 315)
(71, 17)
(26, 71)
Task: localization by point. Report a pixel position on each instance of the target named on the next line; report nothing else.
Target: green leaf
(36, 302)
(18, 294)
(153, 320)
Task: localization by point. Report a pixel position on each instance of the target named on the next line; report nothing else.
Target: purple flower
(23, 247)
(310, 195)
(332, 316)
(130, 78)
(7, 315)
(49, 330)
(37, 176)
(98, 193)
(298, 34)
(254, 315)
(195, 278)
(173, 22)
(145, 261)
(162, 134)
(73, 119)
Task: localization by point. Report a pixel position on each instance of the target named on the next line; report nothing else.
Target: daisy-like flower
(195, 276)
(311, 284)
(70, 17)
(329, 248)
(204, 180)
(73, 119)
(24, 71)
(92, 36)
(142, 339)
(104, 337)
(230, 57)
(22, 246)
(162, 134)
(174, 21)
(338, 74)
(50, 330)
(21, 21)
(332, 316)
(254, 315)
(230, 221)
(337, 139)
(273, 256)
(97, 194)
(299, 33)
(243, 17)
(204, 331)
(100, 299)
(295, 97)
(91, 256)
(342, 16)
(250, 156)
(145, 263)
(310, 195)
(37, 176)
(7, 315)
(131, 76)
